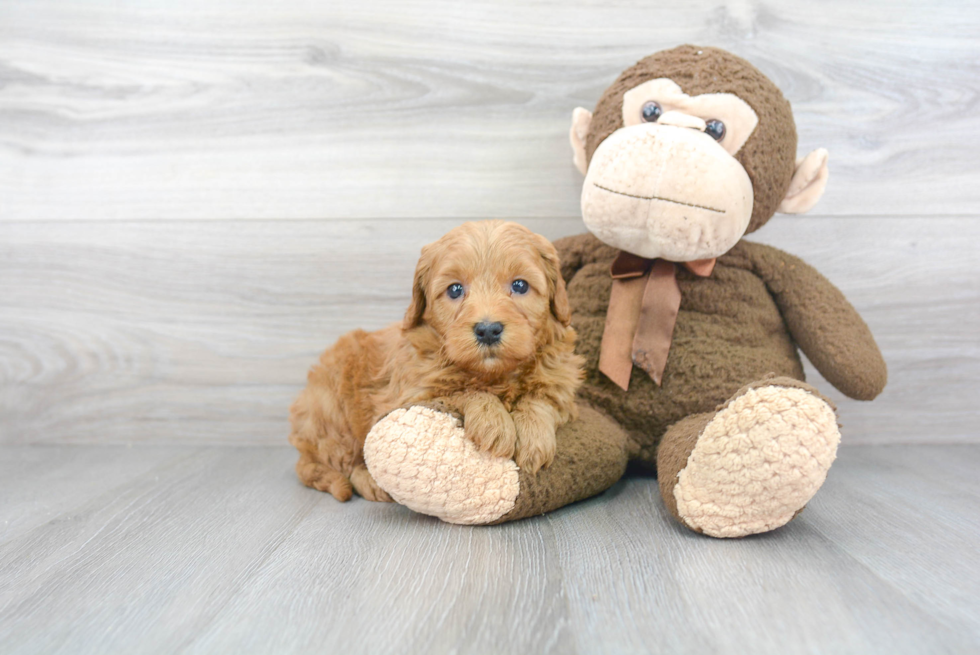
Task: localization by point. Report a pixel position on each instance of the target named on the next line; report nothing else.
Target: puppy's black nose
(488, 333)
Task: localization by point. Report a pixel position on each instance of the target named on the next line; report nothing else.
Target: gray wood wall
(196, 198)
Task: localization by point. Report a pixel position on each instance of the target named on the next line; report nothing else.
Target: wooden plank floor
(219, 550)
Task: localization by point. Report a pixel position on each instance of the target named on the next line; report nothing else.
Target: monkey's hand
(827, 328)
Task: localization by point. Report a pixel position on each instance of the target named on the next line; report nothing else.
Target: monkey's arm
(824, 324)
(577, 251)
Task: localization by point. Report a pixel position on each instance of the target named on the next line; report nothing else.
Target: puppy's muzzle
(488, 333)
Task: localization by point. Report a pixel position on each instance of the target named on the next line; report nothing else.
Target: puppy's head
(493, 291)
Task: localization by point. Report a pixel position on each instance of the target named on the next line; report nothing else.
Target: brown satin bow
(642, 311)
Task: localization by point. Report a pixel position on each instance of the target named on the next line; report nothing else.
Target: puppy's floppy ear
(556, 284)
(413, 316)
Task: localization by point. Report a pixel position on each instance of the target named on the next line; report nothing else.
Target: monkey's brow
(676, 202)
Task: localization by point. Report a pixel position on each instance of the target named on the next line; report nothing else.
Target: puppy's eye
(519, 286)
(455, 290)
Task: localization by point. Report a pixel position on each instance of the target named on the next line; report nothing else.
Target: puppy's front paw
(490, 426)
(536, 443)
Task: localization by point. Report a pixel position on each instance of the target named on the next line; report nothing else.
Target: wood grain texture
(645, 584)
(919, 502)
(39, 484)
(140, 561)
(221, 551)
(436, 109)
(176, 332)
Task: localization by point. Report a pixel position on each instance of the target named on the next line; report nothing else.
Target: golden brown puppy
(487, 333)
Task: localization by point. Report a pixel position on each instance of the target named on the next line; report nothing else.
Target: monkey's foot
(753, 465)
(422, 458)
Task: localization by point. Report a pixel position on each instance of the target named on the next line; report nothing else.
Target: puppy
(487, 334)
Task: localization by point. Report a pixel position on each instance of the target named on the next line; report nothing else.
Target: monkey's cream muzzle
(666, 191)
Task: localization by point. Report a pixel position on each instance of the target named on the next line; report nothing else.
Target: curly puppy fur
(513, 394)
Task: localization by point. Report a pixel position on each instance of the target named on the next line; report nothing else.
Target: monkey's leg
(421, 457)
(751, 466)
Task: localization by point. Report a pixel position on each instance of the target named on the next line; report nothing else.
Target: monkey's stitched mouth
(676, 202)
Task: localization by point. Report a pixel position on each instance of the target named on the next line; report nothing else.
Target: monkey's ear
(413, 316)
(808, 184)
(581, 119)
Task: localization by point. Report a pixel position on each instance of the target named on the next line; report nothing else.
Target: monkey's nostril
(488, 333)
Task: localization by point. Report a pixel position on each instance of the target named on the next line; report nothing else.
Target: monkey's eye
(651, 111)
(519, 286)
(715, 129)
(455, 290)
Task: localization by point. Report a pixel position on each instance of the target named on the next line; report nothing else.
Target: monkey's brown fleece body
(730, 331)
(733, 329)
(734, 355)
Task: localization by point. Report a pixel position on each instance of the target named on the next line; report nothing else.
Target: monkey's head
(688, 150)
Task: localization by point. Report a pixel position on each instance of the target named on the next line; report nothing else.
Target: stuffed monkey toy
(691, 334)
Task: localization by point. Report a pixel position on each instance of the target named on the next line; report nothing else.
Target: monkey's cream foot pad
(757, 462)
(422, 458)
